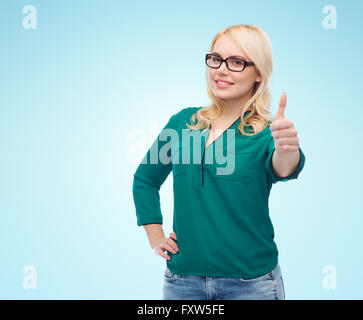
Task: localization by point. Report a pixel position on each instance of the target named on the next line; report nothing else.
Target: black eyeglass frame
(245, 63)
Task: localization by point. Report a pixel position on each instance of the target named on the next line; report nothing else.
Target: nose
(222, 68)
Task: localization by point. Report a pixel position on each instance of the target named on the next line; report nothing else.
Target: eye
(237, 62)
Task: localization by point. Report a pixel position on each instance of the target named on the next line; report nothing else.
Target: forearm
(155, 233)
(285, 164)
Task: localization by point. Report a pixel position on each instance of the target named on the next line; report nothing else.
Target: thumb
(282, 106)
(173, 235)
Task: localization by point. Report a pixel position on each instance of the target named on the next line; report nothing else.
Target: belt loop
(277, 271)
(274, 274)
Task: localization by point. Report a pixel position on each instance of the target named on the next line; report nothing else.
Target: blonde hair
(256, 44)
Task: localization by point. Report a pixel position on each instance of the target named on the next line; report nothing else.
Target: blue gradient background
(74, 91)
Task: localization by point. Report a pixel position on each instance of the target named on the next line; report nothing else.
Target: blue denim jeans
(186, 287)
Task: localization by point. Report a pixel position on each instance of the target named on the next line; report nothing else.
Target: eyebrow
(230, 56)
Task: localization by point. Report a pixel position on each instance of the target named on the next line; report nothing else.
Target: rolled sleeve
(147, 202)
(269, 168)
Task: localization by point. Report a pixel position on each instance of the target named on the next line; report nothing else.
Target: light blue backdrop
(85, 93)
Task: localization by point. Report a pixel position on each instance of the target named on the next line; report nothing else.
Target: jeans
(187, 287)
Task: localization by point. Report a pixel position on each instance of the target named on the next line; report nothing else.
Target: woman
(222, 243)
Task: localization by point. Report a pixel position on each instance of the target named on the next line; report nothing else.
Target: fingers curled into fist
(283, 130)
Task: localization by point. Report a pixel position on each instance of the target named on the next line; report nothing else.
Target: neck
(235, 107)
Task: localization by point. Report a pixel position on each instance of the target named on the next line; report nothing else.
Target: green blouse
(221, 214)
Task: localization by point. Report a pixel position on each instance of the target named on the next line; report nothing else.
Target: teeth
(223, 82)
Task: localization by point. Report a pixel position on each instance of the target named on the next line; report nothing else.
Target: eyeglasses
(233, 64)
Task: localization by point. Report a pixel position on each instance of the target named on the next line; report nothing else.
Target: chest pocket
(238, 165)
(179, 168)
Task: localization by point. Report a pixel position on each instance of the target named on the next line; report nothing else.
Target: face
(243, 82)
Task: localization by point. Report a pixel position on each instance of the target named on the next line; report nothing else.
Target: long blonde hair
(256, 44)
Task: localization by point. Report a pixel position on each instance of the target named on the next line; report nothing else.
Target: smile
(223, 84)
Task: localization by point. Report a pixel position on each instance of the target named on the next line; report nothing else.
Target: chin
(224, 95)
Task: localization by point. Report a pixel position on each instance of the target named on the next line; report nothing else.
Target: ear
(258, 79)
